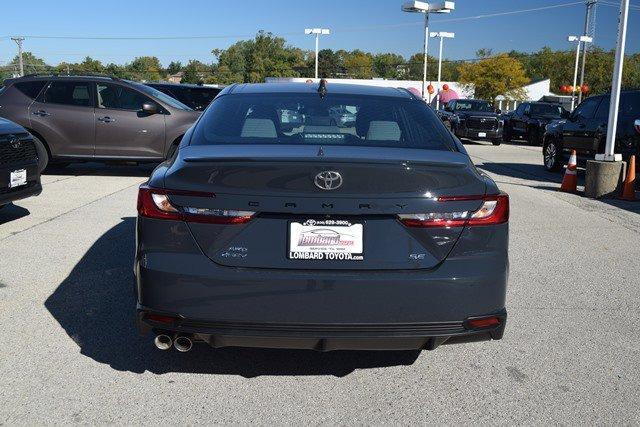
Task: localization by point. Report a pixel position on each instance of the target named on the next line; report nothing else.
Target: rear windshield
(542, 109)
(333, 120)
(474, 106)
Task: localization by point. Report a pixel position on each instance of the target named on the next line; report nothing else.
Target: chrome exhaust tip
(163, 342)
(182, 343)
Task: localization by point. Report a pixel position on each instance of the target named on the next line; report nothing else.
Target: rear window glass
(469, 105)
(31, 89)
(554, 110)
(333, 120)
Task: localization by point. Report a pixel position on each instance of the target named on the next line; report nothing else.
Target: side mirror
(565, 114)
(150, 108)
(498, 111)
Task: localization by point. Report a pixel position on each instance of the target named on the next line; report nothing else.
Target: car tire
(552, 155)
(43, 154)
(496, 141)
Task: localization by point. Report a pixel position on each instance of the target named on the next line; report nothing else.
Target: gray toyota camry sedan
(372, 233)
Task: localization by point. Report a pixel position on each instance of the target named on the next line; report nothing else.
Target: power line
(349, 29)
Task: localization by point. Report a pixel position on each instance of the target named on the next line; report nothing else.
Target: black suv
(585, 130)
(473, 119)
(195, 96)
(529, 120)
(96, 117)
(19, 163)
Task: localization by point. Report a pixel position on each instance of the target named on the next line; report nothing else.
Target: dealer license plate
(482, 134)
(339, 240)
(17, 178)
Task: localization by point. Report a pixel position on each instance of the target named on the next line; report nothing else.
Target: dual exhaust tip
(182, 343)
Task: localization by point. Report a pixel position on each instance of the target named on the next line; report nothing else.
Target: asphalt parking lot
(70, 353)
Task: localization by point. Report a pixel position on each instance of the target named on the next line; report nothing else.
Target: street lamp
(317, 32)
(427, 8)
(442, 35)
(577, 40)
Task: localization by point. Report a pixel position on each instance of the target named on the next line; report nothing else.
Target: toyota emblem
(328, 180)
(14, 141)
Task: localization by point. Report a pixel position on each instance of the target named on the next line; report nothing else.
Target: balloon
(569, 88)
(445, 87)
(563, 89)
(430, 89)
(584, 89)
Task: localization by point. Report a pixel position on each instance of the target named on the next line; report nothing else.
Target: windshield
(471, 105)
(161, 96)
(546, 109)
(333, 120)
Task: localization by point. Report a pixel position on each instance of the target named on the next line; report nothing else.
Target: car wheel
(496, 141)
(552, 156)
(43, 154)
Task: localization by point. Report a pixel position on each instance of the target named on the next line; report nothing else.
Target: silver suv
(79, 118)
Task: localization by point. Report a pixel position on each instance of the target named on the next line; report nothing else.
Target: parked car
(585, 130)
(197, 97)
(19, 163)
(529, 121)
(381, 235)
(474, 119)
(81, 118)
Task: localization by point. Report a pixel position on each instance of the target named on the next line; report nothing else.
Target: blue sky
(373, 25)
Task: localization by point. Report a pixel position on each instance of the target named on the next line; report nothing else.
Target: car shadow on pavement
(523, 171)
(101, 169)
(12, 212)
(95, 306)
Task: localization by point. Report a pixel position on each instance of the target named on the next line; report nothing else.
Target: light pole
(442, 35)
(427, 8)
(616, 82)
(577, 40)
(317, 32)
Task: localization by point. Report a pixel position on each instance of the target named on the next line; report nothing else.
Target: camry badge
(328, 180)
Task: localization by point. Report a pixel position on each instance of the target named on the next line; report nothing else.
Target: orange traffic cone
(628, 188)
(570, 180)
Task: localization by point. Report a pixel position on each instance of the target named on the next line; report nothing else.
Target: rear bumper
(319, 309)
(324, 337)
(464, 132)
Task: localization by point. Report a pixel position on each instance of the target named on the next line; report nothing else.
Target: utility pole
(589, 30)
(19, 41)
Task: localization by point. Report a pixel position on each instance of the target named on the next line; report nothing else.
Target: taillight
(494, 210)
(156, 203)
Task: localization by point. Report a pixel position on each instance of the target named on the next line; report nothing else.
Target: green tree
(493, 76)
(387, 65)
(359, 64)
(254, 60)
(329, 63)
(146, 68)
(195, 72)
(174, 67)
